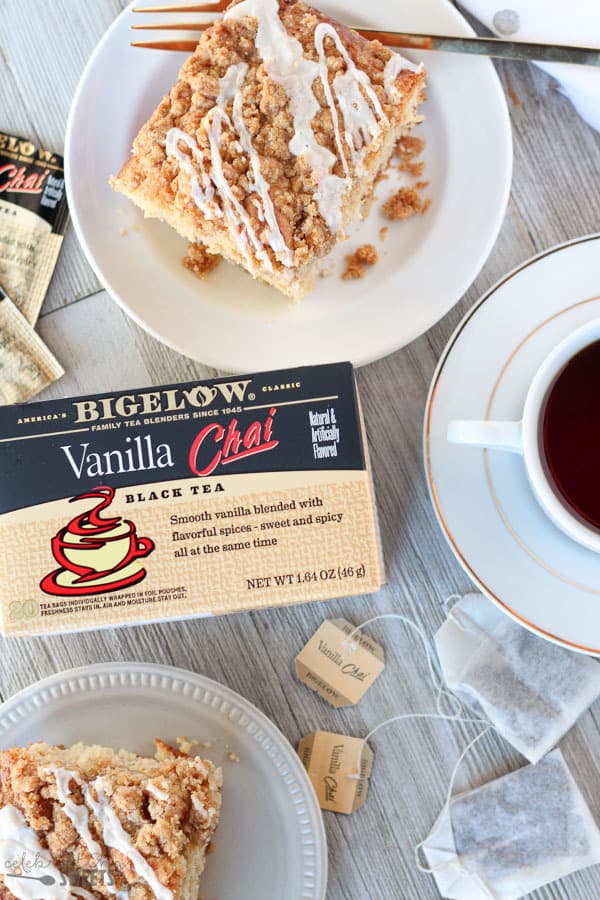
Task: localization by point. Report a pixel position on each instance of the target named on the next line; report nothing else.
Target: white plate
(270, 843)
(233, 323)
(482, 498)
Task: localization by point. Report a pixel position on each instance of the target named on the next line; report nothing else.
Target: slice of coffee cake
(91, 822)
(271, 141)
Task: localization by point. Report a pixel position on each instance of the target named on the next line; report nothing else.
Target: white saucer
(270, 843)
(234, 323)
(482, 498)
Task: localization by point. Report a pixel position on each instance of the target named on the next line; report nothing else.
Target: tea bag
(26, 364)
(532, 691)
(513, 835)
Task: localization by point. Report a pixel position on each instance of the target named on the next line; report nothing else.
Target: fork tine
(395, 39)
(183, 46)
(174, 26)
(219, 6)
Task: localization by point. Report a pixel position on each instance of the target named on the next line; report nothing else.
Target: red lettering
(31, 182)
(231, 444)
(256, 439)
(10, 171)
(269, 423)
(253, 436)
(18, 181)
(198, 441)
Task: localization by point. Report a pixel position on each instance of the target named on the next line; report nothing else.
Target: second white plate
(234, 323)
(270, 843)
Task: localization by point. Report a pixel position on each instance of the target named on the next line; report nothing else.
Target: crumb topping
(357, 262)
(415, 169)
(410, 146)
(403, 204)
(199, 261)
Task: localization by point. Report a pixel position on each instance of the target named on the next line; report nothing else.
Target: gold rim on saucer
(427, 445)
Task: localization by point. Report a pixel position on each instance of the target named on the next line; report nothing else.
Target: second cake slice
(90, 822)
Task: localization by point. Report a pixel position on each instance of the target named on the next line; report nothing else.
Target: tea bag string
(457, 865)
(441, 691)
(436, 679)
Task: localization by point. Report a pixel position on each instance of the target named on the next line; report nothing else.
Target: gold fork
(495, 47)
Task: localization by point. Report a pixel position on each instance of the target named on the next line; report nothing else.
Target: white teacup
(525, 437)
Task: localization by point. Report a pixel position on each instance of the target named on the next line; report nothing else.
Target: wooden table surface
(43, 48)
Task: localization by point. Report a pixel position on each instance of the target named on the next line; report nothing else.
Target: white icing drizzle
(240, 225)
(115, 836)
(20, 842)
(198, 804)
(231, 89)
(355, 96)
(202, 195)
(284, 60)
(396, 64)
(80, 818)
(238, 220)
(77, 812)
(156, 792)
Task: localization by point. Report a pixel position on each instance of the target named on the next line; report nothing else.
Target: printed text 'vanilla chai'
(185, 500)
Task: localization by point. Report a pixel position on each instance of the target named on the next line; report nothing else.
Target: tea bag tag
(331, 762)
(338, 669)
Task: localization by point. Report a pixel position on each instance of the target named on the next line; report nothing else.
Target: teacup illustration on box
(96, 554)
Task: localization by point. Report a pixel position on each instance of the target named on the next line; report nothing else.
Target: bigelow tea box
(185, 500)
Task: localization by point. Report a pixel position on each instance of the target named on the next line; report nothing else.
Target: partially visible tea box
(33, 221)
(185, 500)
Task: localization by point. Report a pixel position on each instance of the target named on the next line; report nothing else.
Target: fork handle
(525, 50)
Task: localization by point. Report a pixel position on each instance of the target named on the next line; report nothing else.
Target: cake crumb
(367, 254)
(232, 757)
(199, 261)
(135, 227)
(410, 146)
(426, 206)
(353, 269)
(383, 232)
(185, 745)
(356, 262)
(403, 204)
(207, 745)
(123, 231)
(415, 169)
(421, 185)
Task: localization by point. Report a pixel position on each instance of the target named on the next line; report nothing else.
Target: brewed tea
(571, 434)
